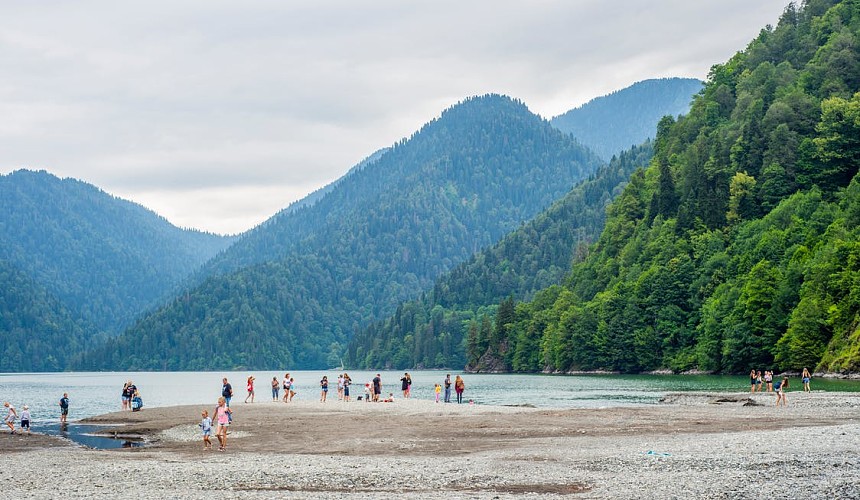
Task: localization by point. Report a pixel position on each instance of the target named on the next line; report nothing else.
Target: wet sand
(693, 446)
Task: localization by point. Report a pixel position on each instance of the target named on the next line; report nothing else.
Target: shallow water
(85, 435)
(95, 393)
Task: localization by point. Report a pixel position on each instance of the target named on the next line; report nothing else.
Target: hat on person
(26, 407)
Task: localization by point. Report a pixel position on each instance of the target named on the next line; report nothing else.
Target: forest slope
(738, 248)
(291, 292)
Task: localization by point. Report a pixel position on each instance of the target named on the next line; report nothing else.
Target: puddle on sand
(84, 434)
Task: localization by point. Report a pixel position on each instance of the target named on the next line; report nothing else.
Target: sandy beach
(693, 445)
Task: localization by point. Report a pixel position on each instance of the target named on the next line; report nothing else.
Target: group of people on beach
(762, 383)
(131, 399)
(372, 389)
(459, 388)
(12, 415)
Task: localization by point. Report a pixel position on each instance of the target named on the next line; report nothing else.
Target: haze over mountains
(292, 291)
(89, 263)
(627, 117)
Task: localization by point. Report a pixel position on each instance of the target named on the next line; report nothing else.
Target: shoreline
(696, 445)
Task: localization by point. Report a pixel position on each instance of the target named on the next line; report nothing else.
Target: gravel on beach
(696, 446)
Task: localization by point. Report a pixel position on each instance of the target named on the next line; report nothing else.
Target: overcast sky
(217, 114)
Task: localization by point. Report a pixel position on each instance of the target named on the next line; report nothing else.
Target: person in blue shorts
(346, 383)
(323, 388)
(206, 427)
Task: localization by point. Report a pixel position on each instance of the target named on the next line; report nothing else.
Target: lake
(99, 392)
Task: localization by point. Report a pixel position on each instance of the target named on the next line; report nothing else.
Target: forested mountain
(430, 332)
(104, 259)
(291, 291)
(317, 195)
(739, 246)
(627, 117)
(37, 332)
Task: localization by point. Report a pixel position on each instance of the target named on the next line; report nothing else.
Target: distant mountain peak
(614, 122)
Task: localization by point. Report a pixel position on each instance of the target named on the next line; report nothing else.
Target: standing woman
(768, 379)
(806, 378)
(404, 385)
(126, 397)
(459, 387)
(250, 395)
(408, 385)
(781, 388)
(752, 381)
(346, 383)
(323, 388)
(276, 388)
(222, 416)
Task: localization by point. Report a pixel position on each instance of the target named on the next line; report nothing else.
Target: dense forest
(739, 246)
(293, 290)
(37, 332)
(430, 332)
(105, 259)
(627, 117)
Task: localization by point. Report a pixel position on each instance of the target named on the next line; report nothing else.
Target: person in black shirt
(377, 387)
(227, 391)
(227, 394)
(64, 407)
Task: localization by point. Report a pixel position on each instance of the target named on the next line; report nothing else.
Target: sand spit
(694, 446)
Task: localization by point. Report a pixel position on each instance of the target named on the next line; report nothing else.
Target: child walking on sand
(438, 391)
(206, 427)
(222, 416)
(10, 417)
(25, 419)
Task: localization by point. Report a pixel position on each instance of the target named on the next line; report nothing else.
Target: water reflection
(86, 435)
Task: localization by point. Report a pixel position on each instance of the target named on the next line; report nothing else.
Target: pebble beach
(692, 445)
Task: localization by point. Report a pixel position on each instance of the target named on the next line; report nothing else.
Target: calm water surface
(97, 393)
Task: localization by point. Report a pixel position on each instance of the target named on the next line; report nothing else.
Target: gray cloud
(216, 114)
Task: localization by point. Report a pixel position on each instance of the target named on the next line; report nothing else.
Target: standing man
(64, 407)
(377, 387)
(227, 391)
(448, 388)
(227, 394)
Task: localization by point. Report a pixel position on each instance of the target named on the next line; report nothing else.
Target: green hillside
(105, 259)
(739, 246)
(291, 292)
(37, 332)
(430, 332)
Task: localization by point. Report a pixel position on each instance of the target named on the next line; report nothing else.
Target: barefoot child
(222, 416)
(206, 426)
(25, 419)
(10, 417)
(438, 390)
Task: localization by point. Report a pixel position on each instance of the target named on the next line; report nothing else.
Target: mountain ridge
(296, 287)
